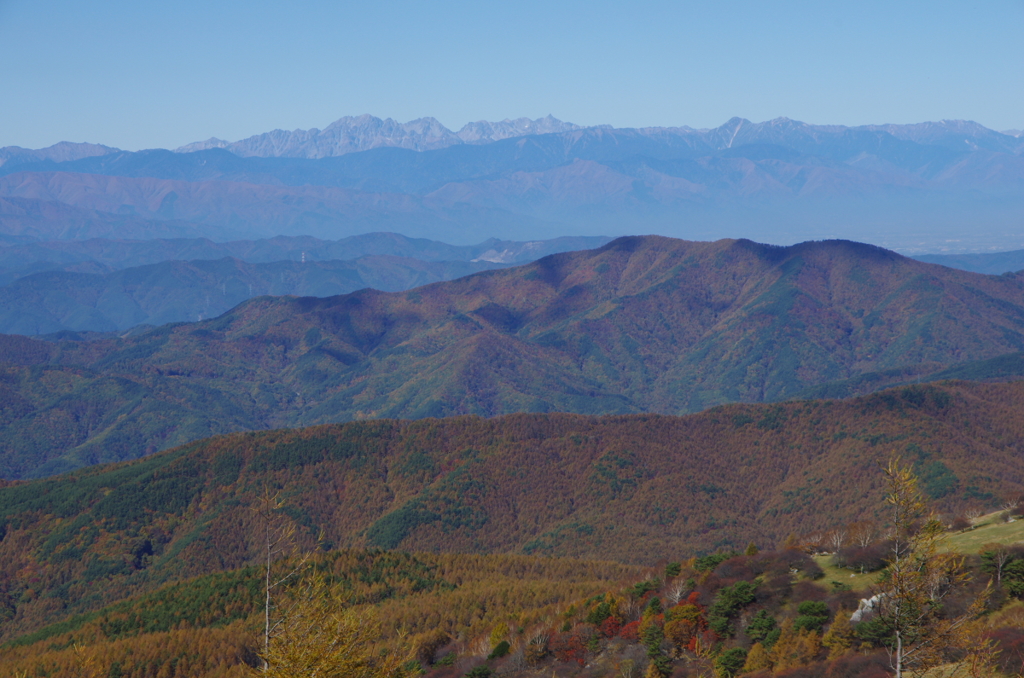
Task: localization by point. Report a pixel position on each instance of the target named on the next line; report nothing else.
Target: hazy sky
(142, 74)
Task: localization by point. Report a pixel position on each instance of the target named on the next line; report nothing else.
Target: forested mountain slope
(204, 626)
(635, 488)
(641, 324)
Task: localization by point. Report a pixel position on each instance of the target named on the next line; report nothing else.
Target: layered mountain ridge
(103, 254)
(103, 285)
(79, 300)
(643, 324)
(951, 186)
(637, 489)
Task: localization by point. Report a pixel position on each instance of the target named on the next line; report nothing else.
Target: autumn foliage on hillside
(644, 324)
(207, 626)
(757, 613)
(636, 489)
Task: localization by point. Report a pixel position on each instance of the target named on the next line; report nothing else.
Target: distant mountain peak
(485, 132)
(63, 151)
(212, 142)
(351, 134)
(959, 135)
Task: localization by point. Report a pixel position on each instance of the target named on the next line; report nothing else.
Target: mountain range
(101, 285)
(230, 210)
(185, 332)
(952, 186)
(642, 324)
(361, 133)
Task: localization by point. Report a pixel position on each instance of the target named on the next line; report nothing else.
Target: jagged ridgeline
(636, 488)
(643, 324)
(912, 186)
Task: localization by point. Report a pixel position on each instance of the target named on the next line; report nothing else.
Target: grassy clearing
(859, 582)
(987, 529)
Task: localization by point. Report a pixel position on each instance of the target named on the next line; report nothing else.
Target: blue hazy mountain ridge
(59, 152)
(178, 291)
(228, 210)
(927, 151)
(114, 285)
(25, 220)
(102, 255)
(992, 263)
(777, 181)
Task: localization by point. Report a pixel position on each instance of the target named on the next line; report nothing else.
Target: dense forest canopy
(635, 488)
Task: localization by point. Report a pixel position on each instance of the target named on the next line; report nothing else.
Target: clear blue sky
(142, 74)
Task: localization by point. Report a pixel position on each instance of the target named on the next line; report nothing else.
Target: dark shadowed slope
(642, 324)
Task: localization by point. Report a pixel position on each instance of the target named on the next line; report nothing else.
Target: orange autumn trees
(631, 488)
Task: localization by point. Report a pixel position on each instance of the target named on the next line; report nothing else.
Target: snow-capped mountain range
(364, 132)
(951, 185)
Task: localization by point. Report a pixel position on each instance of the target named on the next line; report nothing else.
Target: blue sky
(145, 74)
